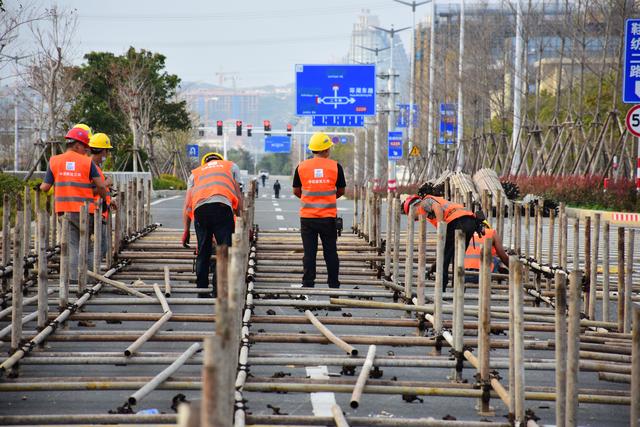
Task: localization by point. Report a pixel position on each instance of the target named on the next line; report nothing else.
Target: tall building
(363, 34)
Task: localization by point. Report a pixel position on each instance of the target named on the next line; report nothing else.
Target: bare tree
(48, 74)
(11, 20)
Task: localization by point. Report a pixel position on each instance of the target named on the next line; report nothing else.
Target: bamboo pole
(122, 206)
(438, 287)
(167, 282)
(484, 325)
(518, 339)
(338, 416)
(26, 223)
(212, 411)
(54, 222)
(621, 281)
(133, 348)
(362, 378)
(513, 287)
(350, 350)
(6, 236)
(527, 230)
(587, 262)
(164, 375)
(64, 262)
(43, 282)
(396, 241)
(593, 277)
(18, 275)
(605, 272)
(422, 258)
(109, 242)
(562, 245)
(635, 369)
(97, 237)
(576, 244)
(161, 298)
(408, 268)
(517, 216)
(628, 284)
(458, 303)
(561, 348)
(118, 285)
(83, 246)
(573, 349)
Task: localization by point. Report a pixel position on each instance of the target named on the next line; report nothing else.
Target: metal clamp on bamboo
(350, 350)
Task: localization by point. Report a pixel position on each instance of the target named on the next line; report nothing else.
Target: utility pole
(432, 73)
(460, 135)
(413, 4)
(16, 113)
(517, 91)
(391, 118)
(377, 162)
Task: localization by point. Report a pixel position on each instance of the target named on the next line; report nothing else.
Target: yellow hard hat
(100, 140)
(211, 156)
(486, 223)
(84, 127)
(320, 142)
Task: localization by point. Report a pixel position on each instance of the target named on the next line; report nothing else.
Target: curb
(627, 219)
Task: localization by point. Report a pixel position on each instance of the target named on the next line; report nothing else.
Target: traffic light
(249, 129)
(267, 127)
(219, 127)
(239, 127)
(289, 128)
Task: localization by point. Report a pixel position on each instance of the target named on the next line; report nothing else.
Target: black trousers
(211, 219)
(468, 226)
(311, 229)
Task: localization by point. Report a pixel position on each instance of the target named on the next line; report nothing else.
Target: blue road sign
(403, 115)
(193, 150)
(395, 145)
(339, 89)
(277, 144)
(338, 121)
(448, 125)
(631, 82)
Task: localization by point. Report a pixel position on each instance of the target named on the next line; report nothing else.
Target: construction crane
(224, 76)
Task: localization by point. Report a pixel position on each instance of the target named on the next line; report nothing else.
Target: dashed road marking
(279, 217)
(278, 209)
(166, 199)
(323, 401)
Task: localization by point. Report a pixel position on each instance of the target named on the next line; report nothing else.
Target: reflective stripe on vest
(318, 177)
(450, 211)
(71, 181)
(472, 255)
(214, 179)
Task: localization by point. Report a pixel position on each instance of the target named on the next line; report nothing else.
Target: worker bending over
(213, 196)
(472, 256)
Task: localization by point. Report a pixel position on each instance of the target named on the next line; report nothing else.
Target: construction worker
(472, 256)
(318, 182)
(100, 147)
(74, 177)
(276, 189)
(213, 196)
(456, 216)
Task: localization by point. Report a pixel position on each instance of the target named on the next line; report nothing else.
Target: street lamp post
(413, 4)
(391, 122)
(460, 135)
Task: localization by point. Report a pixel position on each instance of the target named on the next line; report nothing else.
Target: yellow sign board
(415, 152)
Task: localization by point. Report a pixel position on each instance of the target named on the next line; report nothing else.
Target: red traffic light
(219, 127)
(239, 127)
(289, 128)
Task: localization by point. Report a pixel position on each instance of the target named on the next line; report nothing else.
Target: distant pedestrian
(318, 182)
(276, 188)
(263, 177)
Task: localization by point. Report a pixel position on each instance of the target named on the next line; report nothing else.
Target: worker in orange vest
(75, 179)
(318, 182)
(100, 147)
(456, 216)
(472, 256)
(213, 196)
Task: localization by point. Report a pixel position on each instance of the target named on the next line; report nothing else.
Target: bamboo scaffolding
(350, 350)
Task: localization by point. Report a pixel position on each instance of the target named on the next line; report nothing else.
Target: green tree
(101, 105)
(241, 157)
(276, 163)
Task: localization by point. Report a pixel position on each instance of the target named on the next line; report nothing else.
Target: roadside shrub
(585, 191)
(10, 185)
(169, 182)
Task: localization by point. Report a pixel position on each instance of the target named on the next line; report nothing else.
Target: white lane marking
(278, 210)
(264, 196)
(321, 402)
(343, 209)
(276, 204)
(279, 217)
(164, 200)
(282, 229)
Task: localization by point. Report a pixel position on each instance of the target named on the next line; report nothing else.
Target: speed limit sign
(633, 120)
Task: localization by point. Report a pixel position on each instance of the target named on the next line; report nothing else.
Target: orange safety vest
(72, 181)
(105, 213)
(214, 179)
(318, 177)
(451, 211)
(472, 256)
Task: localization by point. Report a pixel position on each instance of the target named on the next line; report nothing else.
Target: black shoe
(308, 286)
(205, 295)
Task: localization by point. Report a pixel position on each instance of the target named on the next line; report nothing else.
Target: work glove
(36, 187)
(185, 238)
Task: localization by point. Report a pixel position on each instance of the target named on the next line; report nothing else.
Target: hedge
(169, 182)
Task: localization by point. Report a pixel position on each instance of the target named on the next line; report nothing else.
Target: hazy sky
(261, 40)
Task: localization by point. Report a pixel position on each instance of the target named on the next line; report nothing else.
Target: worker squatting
(214, 199)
